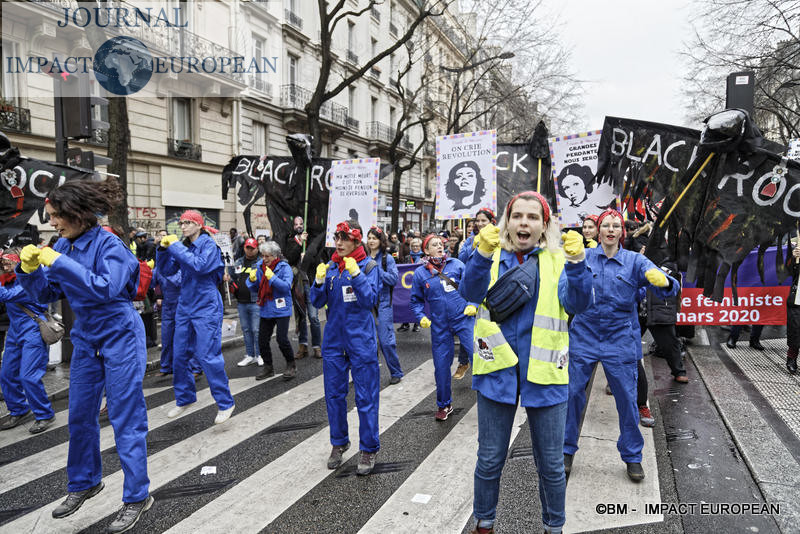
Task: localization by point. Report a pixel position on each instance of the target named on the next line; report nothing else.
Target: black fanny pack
(512, 290)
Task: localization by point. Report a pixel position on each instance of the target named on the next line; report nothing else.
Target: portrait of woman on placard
(465, 186)
(579, 195)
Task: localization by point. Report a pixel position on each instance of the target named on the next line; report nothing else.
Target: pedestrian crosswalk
(269, 472)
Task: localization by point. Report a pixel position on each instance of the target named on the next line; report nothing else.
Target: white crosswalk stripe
(9, 437)
(284, 481)
(179, 458)
(42, 463)
(436, 497)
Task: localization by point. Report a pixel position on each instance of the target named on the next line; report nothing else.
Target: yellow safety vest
(549, 352)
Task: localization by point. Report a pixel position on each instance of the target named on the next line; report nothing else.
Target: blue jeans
(547, 436)
(313, 319)
(249, 317)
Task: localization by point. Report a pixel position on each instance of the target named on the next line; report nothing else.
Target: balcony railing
(296, 97)
(260, 84)
(375, 14)
(352, 57)
(380, 132)
(184, 149)
(15, 119)
(294, 19)
(375, 73)
(393, 28)
(392, 82)
(352, 123)
(451, 33)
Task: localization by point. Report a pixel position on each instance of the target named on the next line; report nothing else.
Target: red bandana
(8, 278)
(265, 290)
(358, 254)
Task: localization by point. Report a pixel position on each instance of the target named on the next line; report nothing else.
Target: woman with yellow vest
(608, 332)
(525, 290)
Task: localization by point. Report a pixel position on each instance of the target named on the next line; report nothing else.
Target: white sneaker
(260, 361)
(175, 411)
(223, 415)
(247, 360)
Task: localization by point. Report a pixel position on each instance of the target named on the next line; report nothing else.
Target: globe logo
(123, 65)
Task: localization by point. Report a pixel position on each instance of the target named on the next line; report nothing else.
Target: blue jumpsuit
(25, 357)
(198, 318)
(386, 339)
(98, 275)
(170, 290)
(447, 319)
(466, 250)
(349, 342)
(608, 332)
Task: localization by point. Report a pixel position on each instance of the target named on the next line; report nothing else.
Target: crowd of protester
(589, 297)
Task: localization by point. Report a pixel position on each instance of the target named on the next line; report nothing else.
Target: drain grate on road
(681, 435)
(293, 427)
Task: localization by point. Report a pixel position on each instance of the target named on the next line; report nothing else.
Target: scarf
(265, 290)
(6, 279)
(435, 263)
(358, 254)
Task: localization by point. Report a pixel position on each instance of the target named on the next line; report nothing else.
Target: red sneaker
(645, 417)
(442, 413)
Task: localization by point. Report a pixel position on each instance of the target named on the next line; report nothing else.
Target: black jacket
(664, 311)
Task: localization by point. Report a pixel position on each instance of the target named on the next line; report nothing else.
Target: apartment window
(392, 73)
(292, 70)
(260, 138)
(374, 47)
(373, 109)
(292, 6)
(351, 36)
(351, 100)
(392, 116)
(258, 46)
(181, 119)
(9, 90)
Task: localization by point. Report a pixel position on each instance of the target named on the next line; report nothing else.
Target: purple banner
(402, 294)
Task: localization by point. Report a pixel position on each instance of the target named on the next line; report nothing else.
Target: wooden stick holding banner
(539, 177)
(685, 189)
(305, 207)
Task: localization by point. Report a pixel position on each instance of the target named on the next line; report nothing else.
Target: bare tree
(119, 135)
(737, 35)
(403, 154)
(330, 15)
(511, 64)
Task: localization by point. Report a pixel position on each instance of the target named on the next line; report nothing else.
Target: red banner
(757, 305)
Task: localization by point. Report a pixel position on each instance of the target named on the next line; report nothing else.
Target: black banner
(518, 171)
(25, 184)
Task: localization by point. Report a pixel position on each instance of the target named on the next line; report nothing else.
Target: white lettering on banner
(516, 161)
(790, 212)
(739, 179)
(622, 144)
(756, 305)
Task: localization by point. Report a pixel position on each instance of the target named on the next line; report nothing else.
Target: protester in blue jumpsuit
(436, 282)
(271, 277)
(608, 332)
(510, 364)
(484, 217)
(349, 286)
(377, 246)
(25, 356)
(198, 319)
(99, 276)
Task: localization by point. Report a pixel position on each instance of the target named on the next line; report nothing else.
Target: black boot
(731, 343)
(756, 344)
(266, 372)
(791, 365)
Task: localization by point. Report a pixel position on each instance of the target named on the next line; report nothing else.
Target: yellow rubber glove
(425, 322)
(168, 240)
(29, 258)
(253, 274)
(656, 277)
(573, 246)
(351, 266)
(269, 273)
(489, 238)
(475, 242)
(592, 243)
(470, 310)
(47, 256)
(322, 270)
(151, 263)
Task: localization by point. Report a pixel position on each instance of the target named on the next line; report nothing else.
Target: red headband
(378, 230)
(593, 218)
(489, 214)
(344, 228)
(194, 216)
(12, 257)
(615, 213)
(428, 238)
(539, 197)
